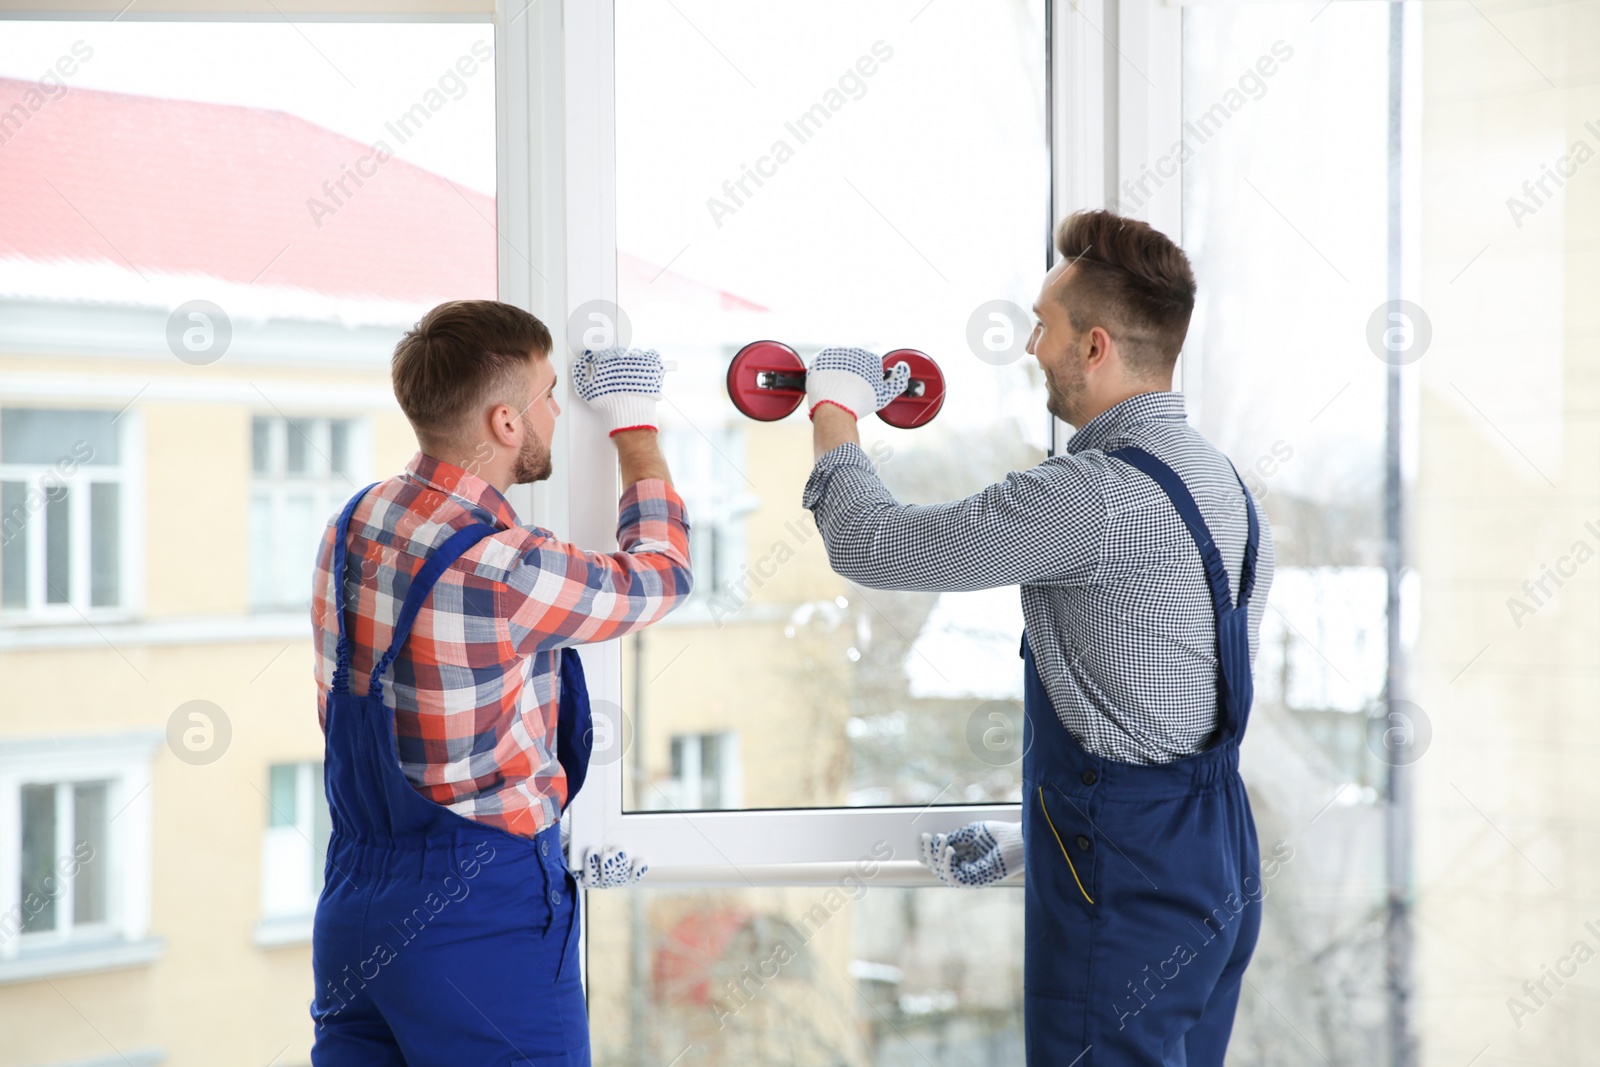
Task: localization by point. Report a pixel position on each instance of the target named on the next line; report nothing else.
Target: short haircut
(1130, 279)
(463, 355)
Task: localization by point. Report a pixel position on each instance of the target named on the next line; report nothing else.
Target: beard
(1064, 390)
(533, 459)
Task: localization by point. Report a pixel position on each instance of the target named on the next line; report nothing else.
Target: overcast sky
(347, 77)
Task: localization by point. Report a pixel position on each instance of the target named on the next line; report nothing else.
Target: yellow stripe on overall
(1053, 830)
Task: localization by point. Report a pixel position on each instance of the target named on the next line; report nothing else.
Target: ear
(504, 425)
(1099, 354)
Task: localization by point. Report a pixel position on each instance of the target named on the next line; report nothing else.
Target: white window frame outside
(296, 836)
(328, 489)
(123, 761)
(685, 788)
(126, 474)
(295, 844)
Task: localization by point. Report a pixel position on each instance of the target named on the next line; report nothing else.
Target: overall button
(555, 896)
(1083, 843)
(544, 848)
(1089, 778)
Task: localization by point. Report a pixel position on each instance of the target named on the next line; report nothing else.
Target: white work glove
(978, 854)
(853, 379)
(608, 870)
(623, 384)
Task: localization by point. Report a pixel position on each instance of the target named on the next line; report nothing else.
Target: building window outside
(295, 842)
(706, 470)
(74, 850)
(303, 471)
(63, 496)
(705, 771)
(63, 887)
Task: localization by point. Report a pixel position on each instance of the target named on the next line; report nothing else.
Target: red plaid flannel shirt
(476, 691)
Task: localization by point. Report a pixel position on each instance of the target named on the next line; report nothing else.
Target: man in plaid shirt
(445, 866)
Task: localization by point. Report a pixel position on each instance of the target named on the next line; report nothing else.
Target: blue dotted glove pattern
(613, 371)
(865, 365)
(974, 856)
(610, 869)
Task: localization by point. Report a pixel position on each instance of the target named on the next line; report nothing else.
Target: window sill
(30, 965)
(16, 636)
(283, 930)
(139, 1057)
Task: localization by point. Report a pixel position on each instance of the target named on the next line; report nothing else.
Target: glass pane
(1305, 428)
(105, 544)
(40, 885)
(283, 792)
(854, 974)
(302, 522)
(90, 851)
(339, 446)
(301, 446)
(863, 192)
(58, 546)
(711, 770)
(253, 161)
(14, 544)
(49, 436)
(264, 551)
(261, 445)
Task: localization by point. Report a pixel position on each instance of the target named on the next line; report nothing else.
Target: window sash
(1099, 126)
(293, 841)
(122, 762)
(798, 846)
(288, 508)
(69, 556)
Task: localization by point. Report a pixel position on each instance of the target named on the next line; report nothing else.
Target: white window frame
(126, 474)
(123, 761)
(298, 836)
(691, 749)
(558, 118)
(555, 132)
(328, 489)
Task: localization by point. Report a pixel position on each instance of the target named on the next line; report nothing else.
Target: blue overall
(1143, 887)
(438, 939)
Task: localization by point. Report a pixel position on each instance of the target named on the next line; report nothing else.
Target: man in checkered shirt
(445, 933)
(1144, 569)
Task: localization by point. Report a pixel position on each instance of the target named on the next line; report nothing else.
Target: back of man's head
(1133, 281)
(462, 357)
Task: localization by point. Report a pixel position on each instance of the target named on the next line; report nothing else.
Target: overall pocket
(1081, 842)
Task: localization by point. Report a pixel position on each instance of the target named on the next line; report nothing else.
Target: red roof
(180, 186)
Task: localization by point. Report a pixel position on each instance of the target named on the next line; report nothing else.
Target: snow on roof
(118, 198)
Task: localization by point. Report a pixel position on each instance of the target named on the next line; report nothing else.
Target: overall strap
(1247, 571)
(1189, 512)
(341, 669)
(574, 724)
(1235, 686)
(421, 585)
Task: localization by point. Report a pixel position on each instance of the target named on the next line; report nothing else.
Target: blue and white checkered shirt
(1113, 591)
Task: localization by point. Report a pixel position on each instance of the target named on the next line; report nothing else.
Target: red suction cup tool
(923, 397)
(767, 380)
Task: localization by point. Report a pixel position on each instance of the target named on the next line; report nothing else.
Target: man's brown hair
(462, 355)
(1130, 279)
